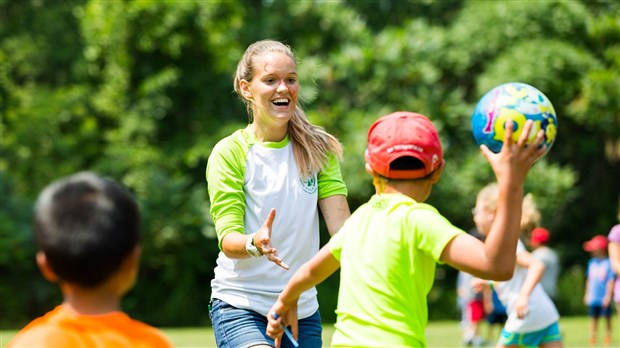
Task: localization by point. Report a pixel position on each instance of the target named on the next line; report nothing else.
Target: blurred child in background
(614, 259)
(470, 293)
(541, 250)
(532, 316)
(599, 287)
(495, 313)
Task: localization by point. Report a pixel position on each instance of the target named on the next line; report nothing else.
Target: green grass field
(439, 334)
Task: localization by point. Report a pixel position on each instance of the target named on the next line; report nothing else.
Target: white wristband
(251, 248)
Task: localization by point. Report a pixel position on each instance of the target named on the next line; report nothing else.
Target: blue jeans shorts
(242, 328)
(531, 339)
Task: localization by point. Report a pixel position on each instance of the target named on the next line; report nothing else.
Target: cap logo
(404, 148)
(434, 161)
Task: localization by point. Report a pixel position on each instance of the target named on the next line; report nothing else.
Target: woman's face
(273, 90)
(483, 218)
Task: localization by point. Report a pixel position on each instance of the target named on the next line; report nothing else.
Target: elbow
(502, 274)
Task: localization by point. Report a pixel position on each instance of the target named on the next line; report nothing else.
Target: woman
(279, 164)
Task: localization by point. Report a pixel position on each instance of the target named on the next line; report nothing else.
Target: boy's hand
(514, 161)
(285, 316)
(262, 241)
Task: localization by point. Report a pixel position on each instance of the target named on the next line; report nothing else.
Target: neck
(269, 133)
(90, 301)
(417, 190)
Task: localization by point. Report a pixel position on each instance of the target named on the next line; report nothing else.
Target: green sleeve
(433, 231)
(225, 174)
(330, 179)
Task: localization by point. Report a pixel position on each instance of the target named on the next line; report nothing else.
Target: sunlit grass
(440, 334)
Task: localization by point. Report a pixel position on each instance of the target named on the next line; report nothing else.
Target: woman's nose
(282, 86)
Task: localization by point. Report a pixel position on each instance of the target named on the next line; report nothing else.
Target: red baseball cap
(598, 242)
(401, 134)
(540, 235)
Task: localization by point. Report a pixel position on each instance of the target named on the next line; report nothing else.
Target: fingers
(273, 257)
(295, 329)
(264, 241)
(274, 327)
(509, 130)
(486, 152)
(269, 221)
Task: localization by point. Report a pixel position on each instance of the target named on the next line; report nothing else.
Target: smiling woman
(280, 163)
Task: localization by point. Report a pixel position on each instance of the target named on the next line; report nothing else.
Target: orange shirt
(64, 328)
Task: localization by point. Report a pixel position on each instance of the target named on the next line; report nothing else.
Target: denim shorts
(241, 328)
(531, 339)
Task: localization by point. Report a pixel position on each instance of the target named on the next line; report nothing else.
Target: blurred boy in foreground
(88, 238)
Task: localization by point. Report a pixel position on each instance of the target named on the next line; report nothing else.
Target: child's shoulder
(44, 332)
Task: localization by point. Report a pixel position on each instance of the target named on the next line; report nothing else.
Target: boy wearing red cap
(599, 286)
(388, 249)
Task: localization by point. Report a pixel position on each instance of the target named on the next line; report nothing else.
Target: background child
(471, 295)
(541, 250)
(87, 233)
(614, 259)
(496, 315)
(388, 249)
(599, 286)
(532, 316)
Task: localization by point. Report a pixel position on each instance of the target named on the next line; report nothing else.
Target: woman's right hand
(262, 241)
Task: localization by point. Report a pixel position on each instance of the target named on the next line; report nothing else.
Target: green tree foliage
(142, 90)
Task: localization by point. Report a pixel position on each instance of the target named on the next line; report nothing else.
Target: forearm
(501, 243)
(534, 274)
(609, 290)
(313, 272)
(233, 245)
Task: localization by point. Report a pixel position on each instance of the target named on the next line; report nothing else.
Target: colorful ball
(518, 102)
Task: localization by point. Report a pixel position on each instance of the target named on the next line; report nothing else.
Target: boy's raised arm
(495, 258)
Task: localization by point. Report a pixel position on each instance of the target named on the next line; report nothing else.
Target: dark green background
(142, 90)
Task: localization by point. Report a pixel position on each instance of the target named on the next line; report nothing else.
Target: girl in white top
(532, 316)
(280, 163)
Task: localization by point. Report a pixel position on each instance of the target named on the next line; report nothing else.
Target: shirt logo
(309, 185)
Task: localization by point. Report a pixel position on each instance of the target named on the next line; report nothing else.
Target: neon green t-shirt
(388, 250)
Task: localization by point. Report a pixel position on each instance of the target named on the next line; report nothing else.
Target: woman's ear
(246, 92)
(369, 169)
(45, 268)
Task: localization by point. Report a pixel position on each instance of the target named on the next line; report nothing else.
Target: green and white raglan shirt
(388, 250)
(247, 178)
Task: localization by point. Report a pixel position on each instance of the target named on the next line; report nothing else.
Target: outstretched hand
(262, 241)
(514, 161)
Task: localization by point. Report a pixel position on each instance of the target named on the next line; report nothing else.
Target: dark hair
(86, 226)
